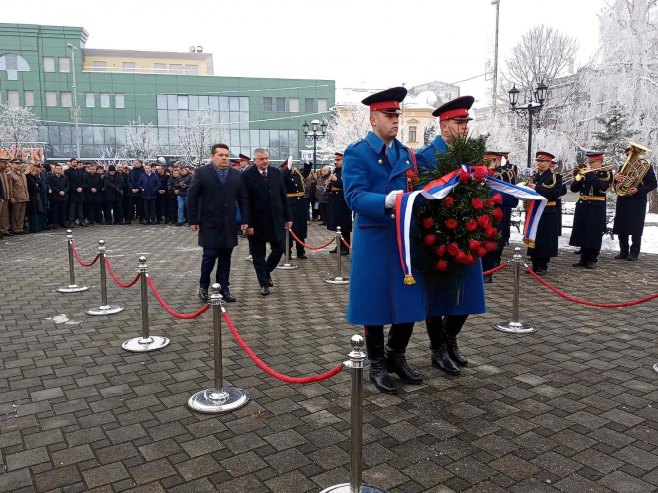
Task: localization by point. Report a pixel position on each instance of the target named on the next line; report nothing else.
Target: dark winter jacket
(93, 181)
(113, 187)
(180, 184)
(75, 177)
(149, 185)
(35, 205)
(58, 184)
(133, 180)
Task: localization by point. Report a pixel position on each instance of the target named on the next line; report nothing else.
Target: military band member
(339, 214)
(549, 185)
(630, 212)
(374, 174)
(296, 192)
(589, 221)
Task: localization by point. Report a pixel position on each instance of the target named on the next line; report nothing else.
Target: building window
(293, 105)
(29, 98)
(176, 68)
(309, 105)
(281, 104)
(99, 66)
(267, 104)
(51, 98)
(48, 64)
(160, 68)
(64, 64)
(65, 99)
(105, 100)
(322, 105)
(119, 101)
(13, 98)
(90, 100)
(192, 69)
(412, 134)
(128, 66)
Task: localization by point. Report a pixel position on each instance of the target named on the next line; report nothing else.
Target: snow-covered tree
(347, 125)
(18, 125)
(430, 132)
(614, 137)
(142, 140)
(110, 154)
(197, 135)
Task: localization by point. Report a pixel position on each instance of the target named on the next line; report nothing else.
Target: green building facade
(37, 69)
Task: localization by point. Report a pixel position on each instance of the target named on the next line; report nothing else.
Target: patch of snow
(59, 319)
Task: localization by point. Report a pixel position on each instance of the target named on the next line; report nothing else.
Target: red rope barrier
(80, 261)
(589, 303)
(170, 311)
(116, 279)
(346, 243)
(495, 269)
(309, 246)
(263, 366)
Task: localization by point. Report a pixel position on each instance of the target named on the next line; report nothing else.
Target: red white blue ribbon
(439, 189)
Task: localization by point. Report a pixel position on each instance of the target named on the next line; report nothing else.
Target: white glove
(389, 203)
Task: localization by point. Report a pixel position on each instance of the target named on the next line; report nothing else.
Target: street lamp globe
(305, 127)
(323, 126)
(514, 96)
(315, 124)
(542, 91)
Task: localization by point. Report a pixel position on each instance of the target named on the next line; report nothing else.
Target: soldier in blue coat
(374, 173)
(450, 303)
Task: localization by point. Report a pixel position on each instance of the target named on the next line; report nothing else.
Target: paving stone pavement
(571, 408)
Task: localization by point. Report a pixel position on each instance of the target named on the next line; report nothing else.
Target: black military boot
(439, 347)
(453, 325)
(378, 369)
(398, 339)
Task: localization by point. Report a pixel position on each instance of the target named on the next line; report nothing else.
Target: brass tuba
(633, 170)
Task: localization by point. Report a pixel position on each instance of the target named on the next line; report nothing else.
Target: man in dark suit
(270, 215)
(212, 199)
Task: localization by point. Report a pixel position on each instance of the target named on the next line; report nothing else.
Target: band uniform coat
(631, 209)
(589, 221)
(297, 201)
(549, 185)
(339, 214)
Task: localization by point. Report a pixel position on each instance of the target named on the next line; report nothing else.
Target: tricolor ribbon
(439, 189)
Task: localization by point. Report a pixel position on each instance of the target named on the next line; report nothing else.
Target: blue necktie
(222, 176)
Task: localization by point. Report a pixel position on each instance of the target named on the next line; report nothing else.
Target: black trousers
(540, 263)
(398, 339)
(172, 209)
(324, 208)
(160, 207)
(135, 205)
(58, 211)
(221, 256)
(442, 330)
(113, 212)
(300, 248)
(94, 212)
(589, 255)
(149, 209)
(263, 266)
(634, 250)
(76, 211)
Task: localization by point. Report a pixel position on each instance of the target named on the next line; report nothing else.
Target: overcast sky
(359, 43)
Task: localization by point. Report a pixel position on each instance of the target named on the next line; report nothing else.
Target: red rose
(429, 240)
(491, 172)
(440, 250)
(477, 203)
(453, 249)
(474, 245)
(489, 202)
(482, 252)
(497, 198)
(448, 201)
(470, 259)
(483, 220)
(489, 246)
(428, 222)
(461, 258)
(480, 173)
(471, 225)
(441, 265)
(497, 213)
(452, 223)
(464, 176)
(491, 232)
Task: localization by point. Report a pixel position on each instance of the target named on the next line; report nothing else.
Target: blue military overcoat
(464, 295)
(378, 295)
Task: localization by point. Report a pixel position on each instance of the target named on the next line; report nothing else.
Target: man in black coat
(339, 214)
(58, 189)
(92, 183)
(135, 195)
(212, 200)
(74, 174)
(113, 194)
(296, 192)
(269, 216)
(630, 212)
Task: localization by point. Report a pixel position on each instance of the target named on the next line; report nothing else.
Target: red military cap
(544, 156)
(387, 101)
(457, 109)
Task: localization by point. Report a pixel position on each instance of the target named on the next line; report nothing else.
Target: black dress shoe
(590, 265)
(621, 257)
(488, 279)
(333, 251)
(302, 257)
(631, 258)
(264, 290)
(227, 296)
(270, 283)
(203, 294)
(579, 264)
(442, 361)
(540, 272)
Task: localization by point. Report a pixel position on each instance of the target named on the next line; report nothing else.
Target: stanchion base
(345, 488)
(73, 288)
(105, 310)
(141, 345)
(211, 402)
(337, 280)
(287, 267)
(515, 328)
(655, 367)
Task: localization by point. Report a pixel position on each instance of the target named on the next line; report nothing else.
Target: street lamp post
(75, 109)
(531, 107)
(495, 74)
(315, 131)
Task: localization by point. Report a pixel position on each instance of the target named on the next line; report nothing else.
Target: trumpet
(578, 174)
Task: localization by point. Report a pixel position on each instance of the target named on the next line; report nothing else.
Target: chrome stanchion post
(219, 399)
(339, 279)
(104, 309)
(72, 287)
(516, 327)
(147, 342)
(357, 365)
(286, 263)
